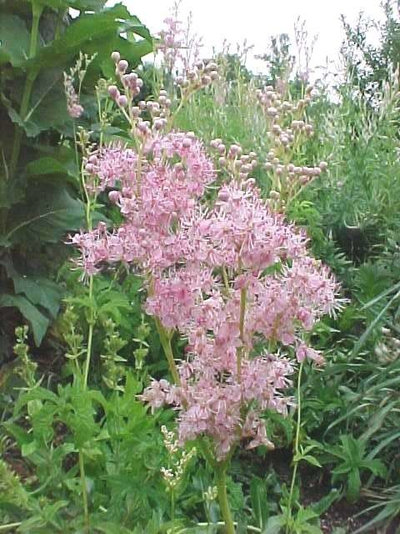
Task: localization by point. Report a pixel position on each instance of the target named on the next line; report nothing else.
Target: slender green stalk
(296, 449)
(90, 335)
(218, 523)
(10, 526)
(37, 9)
(172, 505)
(240, 352)
(84, 491)
(92, 315)
(165, 339)
(220, 473)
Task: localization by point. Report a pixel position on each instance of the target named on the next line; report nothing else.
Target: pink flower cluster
(226, 273)
(171, 42)
(172, 175)
(74, 108)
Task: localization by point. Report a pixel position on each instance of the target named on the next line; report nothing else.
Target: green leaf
(259, 505)
(49, 213)
(38, 290)
(91, 29)
(274, 525)
(92, 5)
(325, 503)
(377, 467)
(14, 40)
(353, 485)
(52, 166)
(22, 437)
(29, 448)
(39, 322)
(49, 111)
(310, 459)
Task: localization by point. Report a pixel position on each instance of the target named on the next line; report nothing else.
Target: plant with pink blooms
(222, 269)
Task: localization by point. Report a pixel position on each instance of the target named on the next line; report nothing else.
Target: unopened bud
(122, 101)
(115, 56)
(122, 65)
(113, 91)
(113, 196)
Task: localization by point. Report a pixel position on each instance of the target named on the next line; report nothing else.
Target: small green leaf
(29, 448)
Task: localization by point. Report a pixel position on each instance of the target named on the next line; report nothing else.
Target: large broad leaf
(93, 5)
(14, 40)
(61, 164)
(48, 105)
(37, 289)
(86, 31)
(41, 291)
(49, 213)
(131, 51)
(50, 166)
(39, 322)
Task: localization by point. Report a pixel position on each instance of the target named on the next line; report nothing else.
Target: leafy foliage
(39, 181)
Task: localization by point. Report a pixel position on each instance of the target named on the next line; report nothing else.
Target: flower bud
(115, 56)
(323, 165)
(113, 196)
(122, 101)
(113, 91)
(122, 65)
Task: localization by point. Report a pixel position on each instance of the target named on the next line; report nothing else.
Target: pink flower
(227, 275)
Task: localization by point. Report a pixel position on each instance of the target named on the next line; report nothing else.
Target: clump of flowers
(178, 46)
(179, 459)
(74, 107)
(287, 123)
(222, 268)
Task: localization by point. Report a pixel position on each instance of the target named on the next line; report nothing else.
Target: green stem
(172, 505)
(90, 335)
(218, 523)
(220, 473)
(37, 9)
(165, 339)
(296, 449)
(240, 352)
(9, 526)
(84, 491)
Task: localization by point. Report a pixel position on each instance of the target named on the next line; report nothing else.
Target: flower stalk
(296, 450)
(220, 475)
